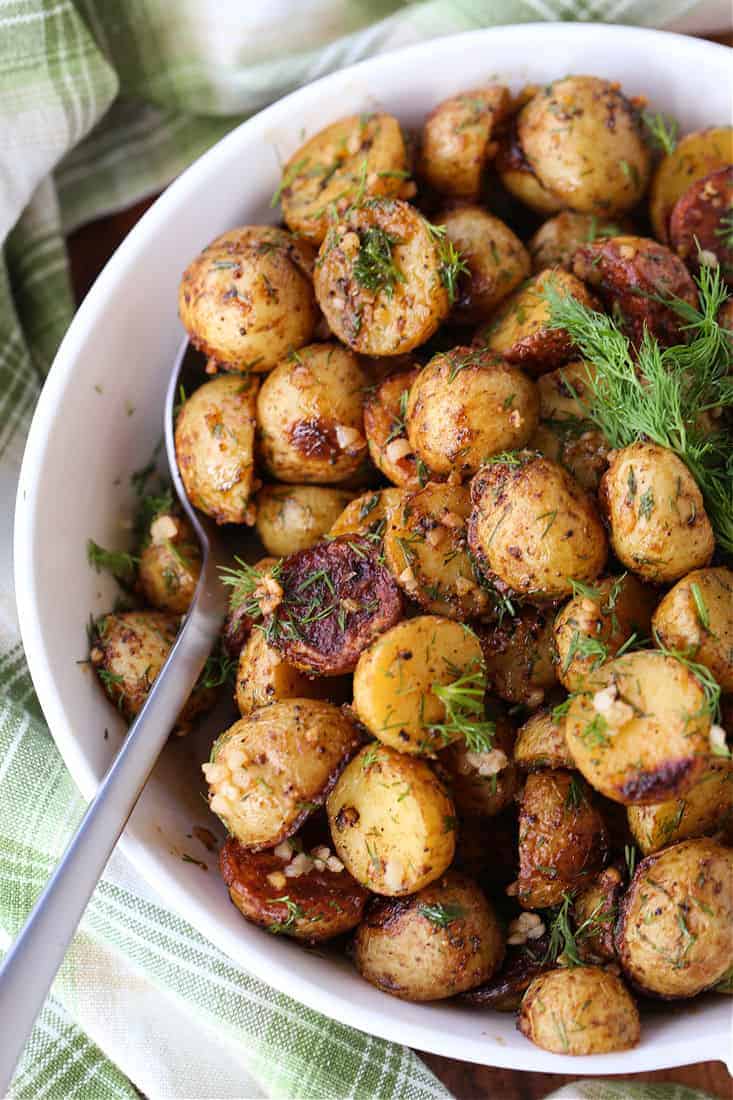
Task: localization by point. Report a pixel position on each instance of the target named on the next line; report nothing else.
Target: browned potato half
(706, 808)
(443, 940)
(467, 405)
(595, 909)
(695, 156)
(699, 226)
(597, 622)
(362, 155)
(674, 937)
(379, 279)
(556, 240)
(239, 622)
(522, 963)
(385, 410)
(291, 891)
(457, 140)
(659, 527)
(541, 743)
(576, 445)
(482, 784)
(295, 517)
(519, 179)
(310, 416)
(270, 770)
(391, 821)
(247, 299)
(496, 260)
(520, 657)
(264, 677)
(215, 434)
(367, 514)
(395, 679)
(579, 1010)
(696, 616)
(639, 731)
(566, 393)
(533, 528)
(562, 838)
(170, 564)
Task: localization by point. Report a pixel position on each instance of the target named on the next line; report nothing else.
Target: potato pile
(479, 673)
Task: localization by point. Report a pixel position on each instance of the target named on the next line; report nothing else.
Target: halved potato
(385, 411)
(520, 656)
(575, 444)
(170, 563)
(541, 743)
(295, 517)
(495, 258)
(457, 140)
(696, 616)
(482, 784)
(695, 156)
(555, 242)
(706, 808)
(595, 909)
(367, 514)
(699, 226)
(579, 1010)
(265, 677)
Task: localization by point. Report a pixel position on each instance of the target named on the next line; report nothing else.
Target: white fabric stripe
(160, 136)
(14, 746)
(31, 17)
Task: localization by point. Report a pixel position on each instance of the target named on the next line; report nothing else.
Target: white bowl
(83, 441)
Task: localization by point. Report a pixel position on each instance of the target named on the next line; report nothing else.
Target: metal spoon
(35, 956)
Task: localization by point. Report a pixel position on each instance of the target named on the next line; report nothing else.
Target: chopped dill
(375, 268)
(662, 131)
(119, 563)
(244, 582)
(441, 915)
(463, 700)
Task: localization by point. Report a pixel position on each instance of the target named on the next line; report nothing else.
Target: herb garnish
(463, 700)
(120, 564)
(662, 130)
(375, 268)
(244, 582)
(441, 915)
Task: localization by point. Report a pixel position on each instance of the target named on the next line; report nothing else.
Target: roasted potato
(541, 743)
(391, 821)
(519, 656)
(368, 514)
(575, 444)
(659, 527)
(443, 940)
(270, 770)
(467, 405)
(170, 564)
(247, 299)
(264, 677)
(579, 1010)
(482, 784)
(566, 394)
(696, 616)
(639, 729)
(385, 410)
(457, 140)
(595, 909)
(310, 416)
(215, 434)
(239, 622)
(522, 963)
(674, 936)
(495, 259)
(486, 850)
(699, 226)
(518, 177)
(379, 279)
(706, 808)
(295, 517)
(696, 155)
(533, 528)
(555, 242)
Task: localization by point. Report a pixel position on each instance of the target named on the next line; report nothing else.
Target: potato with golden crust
(385, 410)
(555, 242)
(699, 225)
(379, 279)
(595, 909)
(215, 435)
(639, 730)
(239, 622)
(541, 742)
(696, 616)
(264, 677)
(440, 942)
(532, 527)
(295, 517)
(170, 563)
(696, 155)
(577, 446)
(247, 299)
(270, 770)
(520, 657)
(495, 259)
(457, 140)
(706, 808)
(310, 416)
(579, 1010)
(674, 936)
(368, 514)
(657, 519)
(467, 405)
(518, 177)
(391, 821)
(566, 394)
(483, 783)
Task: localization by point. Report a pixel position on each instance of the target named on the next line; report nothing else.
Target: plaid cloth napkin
(102, 102)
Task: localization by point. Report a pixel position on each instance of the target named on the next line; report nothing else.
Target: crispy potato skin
(541, 743)
(579, 1010)
(401, 951)
(658, 524)
(247, 299)
(170, 564)
(310, 416)
(456, 140)
(467, 405)
(533, 527)
(373, 321)
(368, 514)
(238, 624)
(496, 259)
(519, 656)
(697, 616)
(386, 432)
(326, 903)
(562, 838)
(503, 992)
(627, 272)
(695, 156)
(674, 937)
(295, 517)
(285, 758)
(481, 783)
(595, 909)
(392, 822)
(706, 808)
(555, 242)
(263, 677)
(697, 221)
(650, 740)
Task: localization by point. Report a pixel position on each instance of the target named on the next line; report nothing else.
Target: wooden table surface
(89, 249)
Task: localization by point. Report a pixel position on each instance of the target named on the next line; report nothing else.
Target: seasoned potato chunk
(170, 564)
(443, 940)
(595, 909)
(495, 258)
(695, 156)
(264, 677)
(239, 621)
(566, 393)
(295, 517)
(215, 433)
(696, 616)
(385, 411)
(576, 445)
(482, 784)
(457, 140)
(522, 963)
(518, 177)
(706, 808)
(519, 656)
(699, 225)
(541, 743)
(579, 1010)
(368, 514)
(391, 821)
(555, 242)
(247, 299)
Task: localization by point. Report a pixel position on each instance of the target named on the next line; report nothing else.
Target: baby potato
(359, 155)
(522, 963)
(699, 225)
(482, 784)
(392, 822)
(582, 449)
(566, 394)
(170, 564)
(518, 177)
(247, 299)
(443, 940)
(579, 1010)
(367, 514)
(555, 242)
(562, 838)
(486, 850)
(263, 677)
(695, 156)
(520, 657)
(295, 517)
(595, 909)
(457, 140)
(706, 808)
(467, 405)
(310, 416)
(379, 279)
(658, 524)
(541, 743)
(384, 423)
(238, 623)
(533, 528)
(696, 616)
(215, 433)
(519, 329)
(268, 771)
(496, 260)
(674, 937)
(639, 730)
(597, 622)
(395, 678)
(583, 141)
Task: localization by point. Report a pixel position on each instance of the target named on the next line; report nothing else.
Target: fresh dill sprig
(441, 915)
(710, 686)
(662, 130)
(245, 581)
(564, 938)
(217, 670)
(725, 229)
(294, 911)
(586, 646)
(452, 264)
(119, 563)
(375, 268)
(464, 704)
